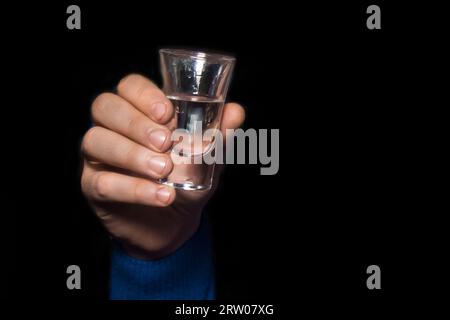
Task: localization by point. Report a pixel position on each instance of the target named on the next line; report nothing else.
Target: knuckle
(127, 82)
(132, 154)
(88, 139)
(131, 124)
(153, 94)
(140, 92)
(139, 191)
(100, 103)
(145, 93)
(102, 185)
(144, 161)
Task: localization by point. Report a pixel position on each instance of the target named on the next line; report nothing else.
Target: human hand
(123, 155)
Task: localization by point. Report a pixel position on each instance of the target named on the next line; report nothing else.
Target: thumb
(233, 117)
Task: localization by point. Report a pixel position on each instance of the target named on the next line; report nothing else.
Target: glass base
(184, 186)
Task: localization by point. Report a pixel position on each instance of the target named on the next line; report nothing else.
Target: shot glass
(196, 83)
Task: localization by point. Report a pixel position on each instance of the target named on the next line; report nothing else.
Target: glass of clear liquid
(196, 83)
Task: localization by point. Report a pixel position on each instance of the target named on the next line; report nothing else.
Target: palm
(143, 229)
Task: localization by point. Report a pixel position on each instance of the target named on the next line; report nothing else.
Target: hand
(124, 153)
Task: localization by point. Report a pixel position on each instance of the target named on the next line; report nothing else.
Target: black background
(350, 105)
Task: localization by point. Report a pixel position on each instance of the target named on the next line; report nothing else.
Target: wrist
(158, 247)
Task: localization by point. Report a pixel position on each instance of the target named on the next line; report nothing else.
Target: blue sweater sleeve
(186, 274)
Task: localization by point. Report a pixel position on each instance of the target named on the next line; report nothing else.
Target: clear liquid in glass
(194, 115)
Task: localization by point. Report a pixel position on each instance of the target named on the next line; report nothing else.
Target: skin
(124, 153)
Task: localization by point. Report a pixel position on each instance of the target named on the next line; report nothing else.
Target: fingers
(116, 187)
(233, 117)
(117, 114)
(111, 148)
(147, 97)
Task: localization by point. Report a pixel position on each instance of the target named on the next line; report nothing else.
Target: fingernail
(163, 195)
(158, 110)
(158, 137)
(158, 164)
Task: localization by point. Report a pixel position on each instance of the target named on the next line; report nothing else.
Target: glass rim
(198, 54)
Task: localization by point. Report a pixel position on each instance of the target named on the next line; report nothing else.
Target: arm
(187, 273)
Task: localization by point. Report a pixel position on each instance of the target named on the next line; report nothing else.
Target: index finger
(146, 96)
